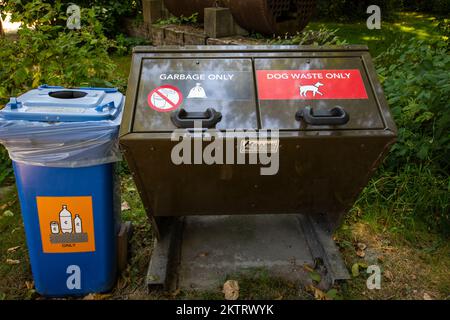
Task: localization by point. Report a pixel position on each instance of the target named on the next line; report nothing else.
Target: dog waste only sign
(310, 84)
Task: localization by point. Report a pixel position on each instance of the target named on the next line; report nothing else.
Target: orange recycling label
(66, 224)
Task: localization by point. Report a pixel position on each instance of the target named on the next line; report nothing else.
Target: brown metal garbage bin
(326, 106)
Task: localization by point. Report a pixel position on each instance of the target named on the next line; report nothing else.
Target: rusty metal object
(305, 10)
(263, 16)
(272, 16)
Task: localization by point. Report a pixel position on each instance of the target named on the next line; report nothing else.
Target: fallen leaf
(29, 284)
(125, 206)
(355, 270)
(11, 261)
(315, 276)
(96, 296)
(8, 213)
(231, 290)
(318, 294)
(333, 294)
(388, 275)
(426, 296)
(381, 259)
(361, 246)
(360, 253)
(176, 293)
(12, 249)
(363, 265)
(308, 268)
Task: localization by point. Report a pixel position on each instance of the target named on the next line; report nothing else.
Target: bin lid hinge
(14, 104)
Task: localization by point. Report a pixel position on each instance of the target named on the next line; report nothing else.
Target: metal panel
(322, 170)
(225, 85)
(364, 113)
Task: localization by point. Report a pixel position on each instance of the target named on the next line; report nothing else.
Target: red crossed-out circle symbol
(165, 98)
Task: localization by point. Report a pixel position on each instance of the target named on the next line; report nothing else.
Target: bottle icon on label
(65, 220)
(54, 227)
(78, 224)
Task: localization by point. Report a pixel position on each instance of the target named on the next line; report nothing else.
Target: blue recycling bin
(63, 144)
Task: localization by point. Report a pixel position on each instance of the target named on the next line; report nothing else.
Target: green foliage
(414, 184)
(50, 53)
(444, 29)
(53, 54)
(351, 10)
(409, 197)
(441, 7)
(108, 13)
(417, 84)
(125, 44)
(192, 19)
(5, 165)
(321, 37)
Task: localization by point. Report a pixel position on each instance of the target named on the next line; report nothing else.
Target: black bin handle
(335, 116)
(183, 119)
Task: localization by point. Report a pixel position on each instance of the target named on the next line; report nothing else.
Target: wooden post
(152, 11)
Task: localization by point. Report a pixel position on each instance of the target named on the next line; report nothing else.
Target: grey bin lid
(58, 104)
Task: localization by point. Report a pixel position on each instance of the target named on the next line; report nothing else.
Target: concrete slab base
(217, 246)
(208, 249)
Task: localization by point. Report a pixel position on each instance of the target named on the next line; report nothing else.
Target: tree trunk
(2, 33)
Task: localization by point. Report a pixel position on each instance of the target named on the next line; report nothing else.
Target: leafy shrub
(51, 54)
(323, 36)
(414, 182)
(109, 13)
(54, 55)
(191, 20)
(351, 10)
(417, 85)
(441, 7)
(125, 44)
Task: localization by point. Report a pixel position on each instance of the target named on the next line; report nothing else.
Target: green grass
(123, 65)
(255, 284)
(405, 24)
(13, 277)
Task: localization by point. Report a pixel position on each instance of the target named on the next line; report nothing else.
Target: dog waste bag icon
(69, 230)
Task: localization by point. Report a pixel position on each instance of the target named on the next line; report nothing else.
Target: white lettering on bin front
(374, 280)
(74, 280)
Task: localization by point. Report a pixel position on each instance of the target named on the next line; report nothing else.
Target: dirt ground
(417, 269)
